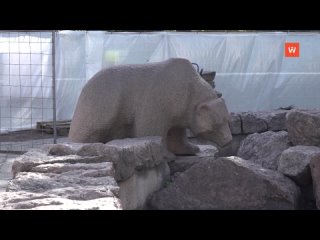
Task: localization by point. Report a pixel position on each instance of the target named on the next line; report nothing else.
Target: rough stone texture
(127, 155)
(315, 172)
(34, 158)
(264, 148)
(85, 185)
(294, 163)
(275, 120)
(6, 160)
(77, 181)
(119, 102)
(232, 148)
(207, 151)
(93, 149)
(182, 163)
(135, 190)
(63, 186)
(227, 183)
(256, 122)
(252, 123)
(60, 149)
(92, 175)
(135, 154)
(304, 127)
(235, 123)
(42, 201)
(260, 122)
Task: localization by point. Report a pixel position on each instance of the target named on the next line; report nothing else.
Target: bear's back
(165, 81)
(173, 69)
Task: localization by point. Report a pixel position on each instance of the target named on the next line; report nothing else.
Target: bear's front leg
(177, 142)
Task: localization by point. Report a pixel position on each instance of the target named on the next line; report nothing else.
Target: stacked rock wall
(118, 175)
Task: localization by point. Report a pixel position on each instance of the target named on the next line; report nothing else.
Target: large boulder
(264, 148)
(304, 127)
(294, 163)
(253, 123)
(276, 120)
(135, 154)
(227, 183)
(315, 172)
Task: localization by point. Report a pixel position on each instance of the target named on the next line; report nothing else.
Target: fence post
(54, 85)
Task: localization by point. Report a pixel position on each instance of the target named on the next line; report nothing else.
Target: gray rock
(315, 172)
(63, 186)
(135, 154)
(232, 148)
(94, 149)
(294, 163)
(66, 167)
(276, 120)
(235, 123)
(182, 163)
(51, 178)
(135, 190)
(303, 127)
(42, 201)
(252, 123)
(207, 151)
(58, 149)
(227, 183)
(127, 155)
(264, 148)
(41, 182)
(32, 159)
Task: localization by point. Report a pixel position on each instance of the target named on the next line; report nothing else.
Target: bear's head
(211, 122)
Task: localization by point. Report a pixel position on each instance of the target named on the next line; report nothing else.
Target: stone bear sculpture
(153, 99)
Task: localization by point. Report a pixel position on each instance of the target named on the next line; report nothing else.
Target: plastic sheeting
(251, 70)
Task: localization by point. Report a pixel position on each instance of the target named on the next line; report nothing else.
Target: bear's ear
(203, 109)
(204, 120)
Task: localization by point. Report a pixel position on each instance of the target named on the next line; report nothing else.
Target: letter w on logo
(292, 49)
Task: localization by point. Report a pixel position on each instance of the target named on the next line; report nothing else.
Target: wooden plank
(62, 127)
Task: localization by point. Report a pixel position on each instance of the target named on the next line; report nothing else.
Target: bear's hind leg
(177, 142)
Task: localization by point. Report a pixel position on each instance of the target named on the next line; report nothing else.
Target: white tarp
(251, 70)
